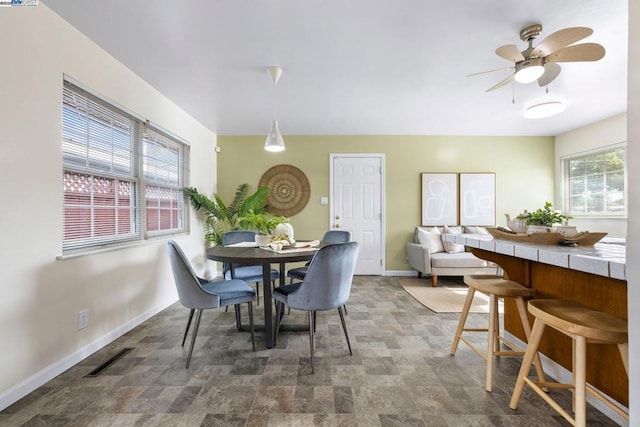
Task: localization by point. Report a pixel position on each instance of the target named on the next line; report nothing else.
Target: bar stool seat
(495, 287)
(584, 326)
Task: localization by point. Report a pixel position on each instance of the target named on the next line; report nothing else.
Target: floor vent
(108, 363)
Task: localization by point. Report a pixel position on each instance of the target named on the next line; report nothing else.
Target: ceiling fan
(541, 62)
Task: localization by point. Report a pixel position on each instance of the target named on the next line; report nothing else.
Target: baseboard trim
(20, 390)
(401, 273)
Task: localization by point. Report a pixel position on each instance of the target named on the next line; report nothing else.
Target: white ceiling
(357, 66)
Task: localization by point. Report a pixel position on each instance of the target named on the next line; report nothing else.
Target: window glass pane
(162, 159)
(596, 183)
(164, 208)
(113, 161)
(94, 136)
(96, 208)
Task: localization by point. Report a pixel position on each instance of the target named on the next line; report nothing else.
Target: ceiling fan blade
(501, 83)
(560, 39)
(510, 52)
(551, 71)
(577, 53)
(490, 71)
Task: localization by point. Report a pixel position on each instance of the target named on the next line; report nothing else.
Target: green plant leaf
(220, 218)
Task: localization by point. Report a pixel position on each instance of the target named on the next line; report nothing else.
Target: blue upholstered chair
(198, 296)
(247, 273)
(326, 286)
(331, 236)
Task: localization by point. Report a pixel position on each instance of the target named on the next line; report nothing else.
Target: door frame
(383, 213)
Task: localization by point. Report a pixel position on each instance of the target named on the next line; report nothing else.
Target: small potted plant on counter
(543, 219)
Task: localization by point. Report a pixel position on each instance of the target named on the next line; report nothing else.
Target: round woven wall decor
(289, 189)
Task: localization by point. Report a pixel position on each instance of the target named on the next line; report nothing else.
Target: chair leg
(491, 340)
(253, 335)
(238, 315)
(258, 292)
(312, 327)
(463, 319)
(522, 310)
(624, 353)
(345, 309)
(315, 317)
(279, 308)
(580, 373)
(527, 361)
(193, 337)
(186, 331)
(344, 328)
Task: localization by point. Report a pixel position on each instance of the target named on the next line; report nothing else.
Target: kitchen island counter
(594, 276)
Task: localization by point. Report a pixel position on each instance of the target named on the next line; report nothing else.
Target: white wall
(633, 229)
(40, 297)
(597, 135)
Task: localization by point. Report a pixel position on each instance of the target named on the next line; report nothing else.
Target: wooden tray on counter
(551, 238)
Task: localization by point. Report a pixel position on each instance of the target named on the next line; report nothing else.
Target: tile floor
(400, 374)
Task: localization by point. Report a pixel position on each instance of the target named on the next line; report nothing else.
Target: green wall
(524, 168)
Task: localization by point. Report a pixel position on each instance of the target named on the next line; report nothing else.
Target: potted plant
(543, 219)
(264, 223)
(220, 217)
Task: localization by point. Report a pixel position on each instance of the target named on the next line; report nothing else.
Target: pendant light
(274, 141)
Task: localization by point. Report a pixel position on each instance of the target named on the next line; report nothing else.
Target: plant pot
(538, 229)
(263, 239)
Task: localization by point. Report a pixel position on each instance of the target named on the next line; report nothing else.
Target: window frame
(104, 167)
(566, 183)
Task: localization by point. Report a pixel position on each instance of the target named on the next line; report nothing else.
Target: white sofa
(429, 255)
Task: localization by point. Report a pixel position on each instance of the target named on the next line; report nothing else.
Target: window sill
(117, 247)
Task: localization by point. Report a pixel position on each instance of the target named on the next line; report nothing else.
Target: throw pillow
(451, 247)
(431, 239)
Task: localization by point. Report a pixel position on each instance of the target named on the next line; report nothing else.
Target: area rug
(447, 297)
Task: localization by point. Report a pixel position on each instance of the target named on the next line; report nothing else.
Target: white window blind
(104, 149)
(162, 165)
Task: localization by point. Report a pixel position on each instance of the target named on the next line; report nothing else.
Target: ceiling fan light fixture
(274, 141)
(530, 70)
(543, 109)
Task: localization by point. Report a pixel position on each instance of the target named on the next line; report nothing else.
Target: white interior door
(357, 192)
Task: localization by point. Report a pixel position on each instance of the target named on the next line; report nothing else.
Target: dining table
(247, 254)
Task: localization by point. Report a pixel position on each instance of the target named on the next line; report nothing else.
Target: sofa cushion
(457, 260)
(451, 247)
(431, 238)
(475, 230)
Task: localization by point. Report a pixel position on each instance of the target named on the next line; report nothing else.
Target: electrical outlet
(83, 319)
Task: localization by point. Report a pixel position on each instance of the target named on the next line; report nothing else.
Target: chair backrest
(337, 236)
(190, 291)
(327, 283)
(237, 236)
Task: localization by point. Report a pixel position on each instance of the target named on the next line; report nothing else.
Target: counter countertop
(602, 259)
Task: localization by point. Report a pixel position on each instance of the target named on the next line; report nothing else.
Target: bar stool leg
(524, 318)
(463, 319)
(491, 338)
(532, 350)
(580, 373)
(624, 353)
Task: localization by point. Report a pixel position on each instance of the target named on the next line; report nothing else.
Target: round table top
(244, 255)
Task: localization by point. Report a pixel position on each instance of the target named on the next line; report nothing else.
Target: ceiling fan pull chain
(513, 93)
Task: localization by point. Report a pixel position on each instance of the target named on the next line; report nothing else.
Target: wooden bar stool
(495, 287)
(584, 326)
